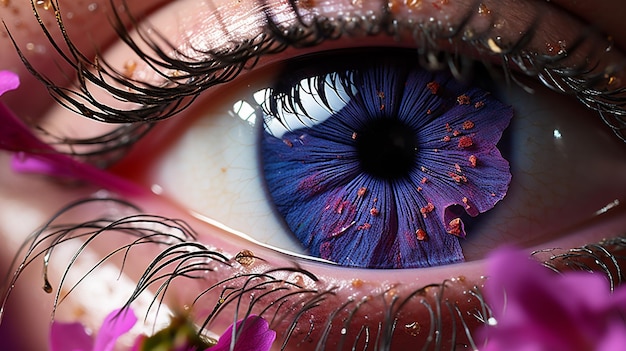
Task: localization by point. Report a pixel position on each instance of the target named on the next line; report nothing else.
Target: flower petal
(8, 81)
(537, 309)
(252, 334)
(415, 184)
(116, 324)
(69, 337)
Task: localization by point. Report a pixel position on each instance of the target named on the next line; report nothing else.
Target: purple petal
(314, 174)
(252, 334)
(532, 311)
(69, 337)
(116, 324)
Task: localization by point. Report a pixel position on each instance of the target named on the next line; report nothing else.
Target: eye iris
(381, 181)
(386, 148)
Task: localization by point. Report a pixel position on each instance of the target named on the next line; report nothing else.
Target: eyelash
(181, 89)
(181, 257)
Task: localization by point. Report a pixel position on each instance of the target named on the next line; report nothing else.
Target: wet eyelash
(279, 294)
(184, 78)
(606, 257)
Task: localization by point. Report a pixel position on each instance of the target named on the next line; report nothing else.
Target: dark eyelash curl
(280, 295)
(285, 296)
(184, 78)
(606, 257)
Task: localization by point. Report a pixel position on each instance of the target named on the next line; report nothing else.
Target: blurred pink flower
(253, 334)
(74, 337)
(536, 309)
(34, 156)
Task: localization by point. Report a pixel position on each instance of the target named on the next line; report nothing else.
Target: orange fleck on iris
(427, 209)
(433, 87)
(456, 133)
(288, 142)
(455, 227)
(466, 202)
(458, 178)
(468, 125)
(479, 104)
(448, 128)
(364, 226)
(429, 111)
(473, 160)
(374, 211)
(421, 234)
(419, 188)
(354, 135)
(457, 168)
(362, 191)
(463, 100)
(381, 94)
(465, 142)
(446, 138)
(424, 180)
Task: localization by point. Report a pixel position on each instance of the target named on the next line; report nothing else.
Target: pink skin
(34, 199)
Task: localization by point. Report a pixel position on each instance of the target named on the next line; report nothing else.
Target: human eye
(311, 304)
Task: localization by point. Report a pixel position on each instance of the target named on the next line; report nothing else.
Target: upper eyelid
(184, 78)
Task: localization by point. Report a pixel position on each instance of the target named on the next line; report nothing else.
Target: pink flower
(8, 81)
(35, 156)
(536, 309)
(252, 334)
(255, 336)
(73, 337)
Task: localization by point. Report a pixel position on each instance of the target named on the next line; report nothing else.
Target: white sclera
(566, 166)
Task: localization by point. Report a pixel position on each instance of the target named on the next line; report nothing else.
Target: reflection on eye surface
(322, 306)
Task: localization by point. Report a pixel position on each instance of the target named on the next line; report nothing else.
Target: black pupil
(386, 148)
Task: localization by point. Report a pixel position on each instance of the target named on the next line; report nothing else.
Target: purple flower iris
(383, 182)
(536, 309)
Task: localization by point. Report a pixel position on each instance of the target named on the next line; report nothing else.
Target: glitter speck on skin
(413, 329)
(245, 258)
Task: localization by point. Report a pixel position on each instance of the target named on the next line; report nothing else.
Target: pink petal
(255, 336)
(8, 81)
(537, 309)
(116, 324)
(69, 337)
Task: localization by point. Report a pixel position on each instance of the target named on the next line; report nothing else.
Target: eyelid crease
(595, 83)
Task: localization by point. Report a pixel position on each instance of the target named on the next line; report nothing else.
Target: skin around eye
(370, 289)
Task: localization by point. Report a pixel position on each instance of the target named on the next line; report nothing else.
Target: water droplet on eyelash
(344, 331)
(413, 329)
(92, 7)
(492, 322)
(45, 4)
